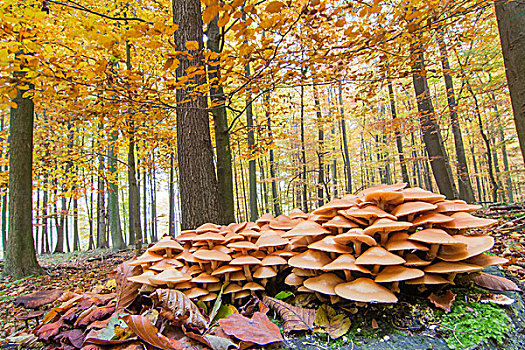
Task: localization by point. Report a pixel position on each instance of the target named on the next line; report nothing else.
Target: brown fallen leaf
(295, 318)
(96, 314)
(74, 336)
(374, 324)
(183, 309)
(38, 299)
(126, 291)
(488, 281)
(46, 332)
(145, 330)
(329, 321)
(444, 301)
(258, 329)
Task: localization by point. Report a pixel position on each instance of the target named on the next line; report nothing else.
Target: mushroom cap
(321, 219)
(272, 260)
(303, 272)
(456, 206)
(143, 278)
(232, 288)
(414, 260)
(400, 241)
(398, 273)
(434, 236)
(186, 256)
(221, 248)
(186, 236)
(208, 297)
(409, 208)
(226, 269)
(381, 187)
(355, 235)
(146, 258)
(379, 256)
(245, 260)
(211, 255)
(271, 239)
(242, 294)
(293, 280)
(333, 206)
(264, 272)
(185, 285)
(370, 212)
(253, 286)
(303, 289)
(344, 262)
(431, 217)
(164, 244)
(306, 228)
(297, 213)
(242, 245)
(205, 278)
(249, 233)
(449, 267)
(385, 196)
(429, 278)
(419, 194)
(214, 287)
(339, 221)
(324, 283)
(282, 222)
(207, 237)
(328, 244)
(165, 263)
(310, 259)
(264, 219)
(208, 227)
(475, 245)
(237, 276)
(191, 270)
(365, 290)
(284, 253)
(485, 260)
(464, 220)
(231, 237)
(170, 275)
(387, 225)
(236, 227)
(195, 292)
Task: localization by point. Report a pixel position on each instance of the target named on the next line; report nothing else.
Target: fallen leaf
(74, 336)
(96, 314)
(295, 318)
(115, 332)
(444, 302)
(24, 341)
(224, 311)
(143, 328)
(374, 324)
(336, 325)
(488, 281)
(283, 295)
(258, 329)
(126, 291)
(499, 299)
(38, 299)
(49, 330)
(182, 308)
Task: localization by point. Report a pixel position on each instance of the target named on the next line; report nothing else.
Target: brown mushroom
(395, 274)
(338, 223)
(211, 238)
(246, 261)
(399, 242)
(345, 263)
(428, 278)
(170, 276)
(436, 238)
(328, 245)
(384, 226)
(214, 257)
(323, 284)
(147, 259)
(365, 290)
(428, 219)
(382, 198)
(464, 221)
(357, 237)
(368, 213)
(264, 219)
(475, 245)
(208, 227)
(485, 260)
(168, 245)
(310, 259)
(226, 270)
(264, 273)
(410, 209)
(378, 256)
(452, 268)
(419, 194)
(308, 229)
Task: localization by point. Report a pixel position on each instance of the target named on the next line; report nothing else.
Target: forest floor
(413, 323)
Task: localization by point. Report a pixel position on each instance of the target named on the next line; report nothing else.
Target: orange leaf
(210, 13)
(224, 19)
(192, 45)
(127, 291)
(495, 282)
(145, 330)
(259, 329)
(274, 7)
(444, 301)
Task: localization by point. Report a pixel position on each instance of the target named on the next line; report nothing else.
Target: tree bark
(20, 254)
(221, 127)
(320, 148)
(431, 133)
(199, 189)
(399, 142)
(346, 158)
(171, 216)
(117, 241)
(465, 187)
(511, 24)
(101, 206)
(252, 169)
(275, 196)
(303, 156)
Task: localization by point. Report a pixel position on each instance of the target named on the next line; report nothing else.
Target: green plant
(472, 324)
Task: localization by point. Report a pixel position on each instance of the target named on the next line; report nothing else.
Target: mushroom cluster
(359, 248)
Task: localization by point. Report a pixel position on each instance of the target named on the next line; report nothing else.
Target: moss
(472, 324)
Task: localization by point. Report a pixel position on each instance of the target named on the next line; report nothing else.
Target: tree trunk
(153, 197)
(145, 203)
(511, 24)
(303, 157)
(45, 238)
(117, 241)
(199, 189)
(275, 197)
(4, 201)
(101, 206)
(346, 158)
(465, 187)
(171, 216)
(252, 170)
(76, 236)
(221, 127)
(265, 188)
(475, 163)
(320, 148)
(399, 142)
(431, 133)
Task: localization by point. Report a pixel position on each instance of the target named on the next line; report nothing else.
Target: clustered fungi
(351, 248)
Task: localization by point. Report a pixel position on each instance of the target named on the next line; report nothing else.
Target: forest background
(306, 101)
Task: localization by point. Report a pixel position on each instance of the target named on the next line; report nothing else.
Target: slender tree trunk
(4, 201)
(89, 209)
(199, 189)
(171, 219)
(101, 206)
(245, 197)
(431, 133)
(117, 241)
(475, 163)
(399, 141)
(320, 147)
(145, 203)
(465, 187)
(153, 197)
(511, 24)
(275, 196)
(265, 189)
(76, 236)
(346, 158)
(252, 170)
(303, 155)
(222, 131)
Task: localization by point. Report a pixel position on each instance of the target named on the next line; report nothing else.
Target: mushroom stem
(247, 273)
(334, 299)
(333, 255)
(168, 253)
(227, 277)
(451, 276)
(433, 251)
(357, 248)
(339, 230)
(264, 281)
(348, 275)
(384, 238)
(410, 217)
(320, 297)
(214, 265)
(395, 287)
(375, 270)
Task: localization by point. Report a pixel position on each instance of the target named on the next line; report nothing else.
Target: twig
(510, 222)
